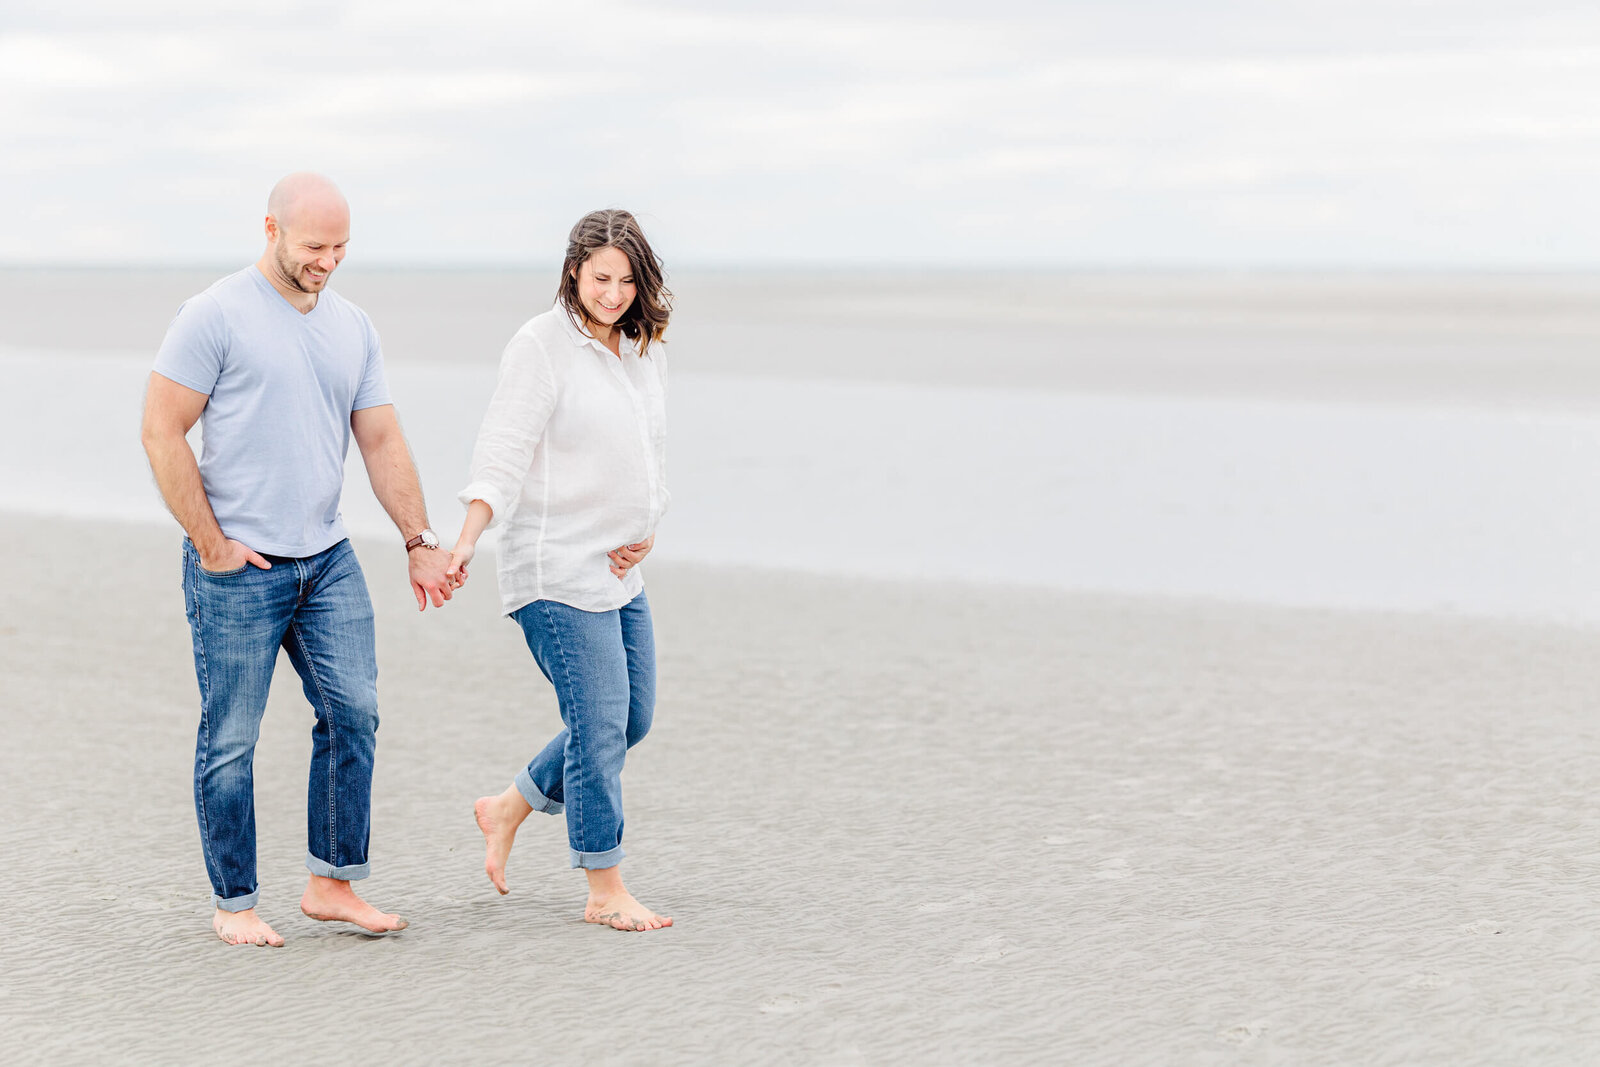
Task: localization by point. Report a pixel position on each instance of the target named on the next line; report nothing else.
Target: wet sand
(894, 824)
(1502, 342)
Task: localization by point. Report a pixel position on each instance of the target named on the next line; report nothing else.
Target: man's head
(308, 226)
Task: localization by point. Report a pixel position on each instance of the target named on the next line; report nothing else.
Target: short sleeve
(196, 345)
(374, 389)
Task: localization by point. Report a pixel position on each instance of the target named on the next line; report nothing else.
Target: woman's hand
(624, 559)
(460, 556)
(478, 516)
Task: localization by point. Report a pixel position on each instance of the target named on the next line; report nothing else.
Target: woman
(570, 462)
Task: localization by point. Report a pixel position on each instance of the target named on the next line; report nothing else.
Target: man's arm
(170, 410)
(393, 474)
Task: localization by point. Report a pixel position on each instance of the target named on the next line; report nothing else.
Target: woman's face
(605, 285)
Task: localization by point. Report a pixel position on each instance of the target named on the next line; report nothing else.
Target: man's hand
(230, 556)
(428, 581)
(627, 557)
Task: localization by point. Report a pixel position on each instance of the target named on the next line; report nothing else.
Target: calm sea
(1414, 443)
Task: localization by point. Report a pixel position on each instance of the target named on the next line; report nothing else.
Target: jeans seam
(576, 806)
(627, 655)
(205, 717)
(333, 754)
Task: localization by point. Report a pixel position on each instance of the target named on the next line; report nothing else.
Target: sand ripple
(893, 826)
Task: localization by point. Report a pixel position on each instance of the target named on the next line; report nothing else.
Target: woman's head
(612, 278)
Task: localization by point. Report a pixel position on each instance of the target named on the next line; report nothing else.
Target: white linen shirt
(571, 457)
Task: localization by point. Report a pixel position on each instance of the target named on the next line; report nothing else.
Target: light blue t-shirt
(282, 387)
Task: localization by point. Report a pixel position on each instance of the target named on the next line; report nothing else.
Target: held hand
(428, 581)
(624, 559)
(460, 556)
(231, 557)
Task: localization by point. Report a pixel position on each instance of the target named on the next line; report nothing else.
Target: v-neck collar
(273, 289)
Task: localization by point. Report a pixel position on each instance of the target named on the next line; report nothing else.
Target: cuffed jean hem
(244, 903)
(537, 800)
(350, 872)
(597, 861)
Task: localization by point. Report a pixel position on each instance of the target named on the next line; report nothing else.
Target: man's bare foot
(333, 900)
(244, 928)
(498, 818)
(621, 912)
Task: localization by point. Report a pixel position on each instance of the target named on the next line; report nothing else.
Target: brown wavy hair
(646, 318)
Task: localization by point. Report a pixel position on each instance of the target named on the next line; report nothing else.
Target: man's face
(307, 250)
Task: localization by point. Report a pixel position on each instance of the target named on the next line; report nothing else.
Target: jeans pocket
(221, 574)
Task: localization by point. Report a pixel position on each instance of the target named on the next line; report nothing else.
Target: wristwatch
(425, 539)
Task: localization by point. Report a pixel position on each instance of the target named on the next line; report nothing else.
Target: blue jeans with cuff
(603, 667)
(316, 609)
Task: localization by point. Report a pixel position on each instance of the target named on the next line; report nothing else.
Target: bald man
(284, 372)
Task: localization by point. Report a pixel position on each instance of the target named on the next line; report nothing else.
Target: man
(284, 371)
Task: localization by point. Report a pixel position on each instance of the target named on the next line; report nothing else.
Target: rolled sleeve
(499, 504)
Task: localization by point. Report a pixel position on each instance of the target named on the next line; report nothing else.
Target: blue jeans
(603, 665)
(318, 611)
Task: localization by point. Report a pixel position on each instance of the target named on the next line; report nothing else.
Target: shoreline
(956, 587)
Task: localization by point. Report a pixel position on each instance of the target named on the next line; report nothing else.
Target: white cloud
(41, 62)
(1146, 131)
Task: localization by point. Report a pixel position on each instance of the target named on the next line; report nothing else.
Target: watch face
(430, 538)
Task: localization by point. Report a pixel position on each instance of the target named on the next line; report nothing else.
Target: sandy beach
(894, 822)
(1130, 589)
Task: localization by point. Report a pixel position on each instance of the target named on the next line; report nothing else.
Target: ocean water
(1417, 483)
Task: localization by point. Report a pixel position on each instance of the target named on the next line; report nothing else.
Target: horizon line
(867, 267)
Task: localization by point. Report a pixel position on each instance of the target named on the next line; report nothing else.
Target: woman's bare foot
(498, 818)
(244, 928)
(610, 904)
(333, 900)
(622, 912)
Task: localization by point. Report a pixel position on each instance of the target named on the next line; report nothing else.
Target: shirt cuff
(498, 504)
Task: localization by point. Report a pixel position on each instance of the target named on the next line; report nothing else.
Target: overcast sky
(990, 132)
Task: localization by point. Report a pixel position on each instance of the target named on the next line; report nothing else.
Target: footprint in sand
(1242, 1034)
(782, 1005)
(1117, 868)
(989, 950)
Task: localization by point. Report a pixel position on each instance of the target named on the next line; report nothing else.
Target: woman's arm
(478, 516)
(524, 397)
